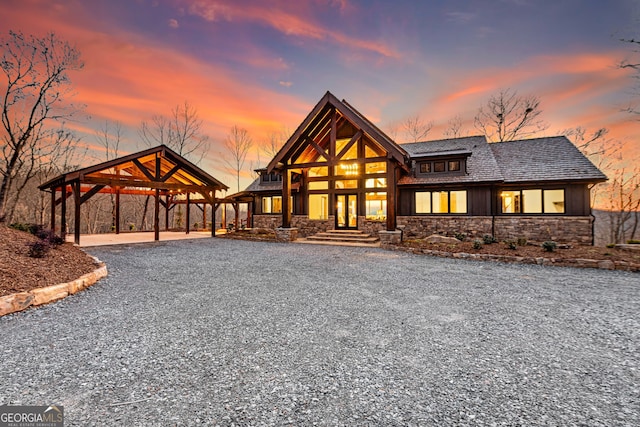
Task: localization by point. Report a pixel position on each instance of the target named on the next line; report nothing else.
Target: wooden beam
(144, 170)
(168, 175)
(146, 184)
(346, 148)
(96, 189)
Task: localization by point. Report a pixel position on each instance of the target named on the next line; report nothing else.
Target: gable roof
(326, 103)
(544, 159)
(139, 170)
(481, 164)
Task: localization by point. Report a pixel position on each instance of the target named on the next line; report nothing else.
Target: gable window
(440, 166)
(271, 177)
(439, 202)
(318, 206)
(532, 201)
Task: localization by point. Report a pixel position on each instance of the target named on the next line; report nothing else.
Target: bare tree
(109, 136)
(622, 204)
(37, 83)
(416, 129)
(181, 131)
(237, 145)
(454, 127)
(508, 116)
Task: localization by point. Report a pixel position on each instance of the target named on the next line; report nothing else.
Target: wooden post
(223, 216)
(117, 224)
(286, 197)
(204, 216)
(188, 212)
(63, 212)
(53, 210)
(391, 196)
(249, 211)
(166, 213)
(156, 207)
(156, 216)
(76, 220)
(236, 207)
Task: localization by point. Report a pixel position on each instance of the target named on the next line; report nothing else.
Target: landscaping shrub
(611, 245)
(633, 242)
(477, 244)
(20, 226)
(511, 244)
(489, 239)
(39, 249)
(521, 241)
(460, 236)
(549, 246)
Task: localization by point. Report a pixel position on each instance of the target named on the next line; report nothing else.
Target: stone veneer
(418, 227)
(562, 229)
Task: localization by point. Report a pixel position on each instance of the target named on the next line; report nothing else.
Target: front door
(346, 211)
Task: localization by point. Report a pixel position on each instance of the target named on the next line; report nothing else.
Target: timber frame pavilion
(158, 172)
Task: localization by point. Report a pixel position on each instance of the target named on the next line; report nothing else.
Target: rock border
(559, 262)
(22, 300)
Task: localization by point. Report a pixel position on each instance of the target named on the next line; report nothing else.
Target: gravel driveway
(216, 331)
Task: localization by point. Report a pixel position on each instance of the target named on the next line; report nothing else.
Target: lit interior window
(318, 206)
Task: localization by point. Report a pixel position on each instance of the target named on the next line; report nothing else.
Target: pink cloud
(290, 24)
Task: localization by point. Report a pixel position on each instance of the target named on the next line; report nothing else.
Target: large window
(376, 205)
(272, 204)
(532, 201)
(318, 206)
(438, 202)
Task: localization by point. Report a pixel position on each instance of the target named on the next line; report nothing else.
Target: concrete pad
(88, 240)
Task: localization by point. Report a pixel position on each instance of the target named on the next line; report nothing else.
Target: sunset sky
(262, 65)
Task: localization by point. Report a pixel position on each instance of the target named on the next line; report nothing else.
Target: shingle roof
(481, 164)
(257, 186)
(544, 159)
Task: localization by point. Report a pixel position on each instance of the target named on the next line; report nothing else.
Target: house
(338, 171)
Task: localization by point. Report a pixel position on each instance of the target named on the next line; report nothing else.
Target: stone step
(341, 234)
(329, 238)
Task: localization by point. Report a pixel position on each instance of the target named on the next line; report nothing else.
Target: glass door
(346, 211)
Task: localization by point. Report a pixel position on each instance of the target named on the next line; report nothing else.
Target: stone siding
(563, 229)
(418, 227)
(371, 227)
(308, 227)
(270, 222)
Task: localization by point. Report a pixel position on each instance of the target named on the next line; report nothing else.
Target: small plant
(511, 244)
(50, 237)
(633, 242)
(477, 244)
(488, 239)
(460, 236)
(549, 246)
(39, 249)
(132, 227)
(20, 226)
(195, 225)
(522, 241)
(611, 245)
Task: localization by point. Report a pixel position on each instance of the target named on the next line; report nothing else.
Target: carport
(159, 172)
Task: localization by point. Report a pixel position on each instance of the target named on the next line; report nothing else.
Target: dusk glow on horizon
(263, 65)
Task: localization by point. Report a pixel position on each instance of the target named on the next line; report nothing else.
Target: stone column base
(390, 237)
(286, 234)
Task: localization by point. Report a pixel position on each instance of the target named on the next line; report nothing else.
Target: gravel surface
(229, 332)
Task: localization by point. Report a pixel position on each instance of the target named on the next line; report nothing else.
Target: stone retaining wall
(23, 300)
(418, 227)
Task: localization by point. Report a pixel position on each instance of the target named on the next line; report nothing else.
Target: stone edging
(578, 262)
(23, 300)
